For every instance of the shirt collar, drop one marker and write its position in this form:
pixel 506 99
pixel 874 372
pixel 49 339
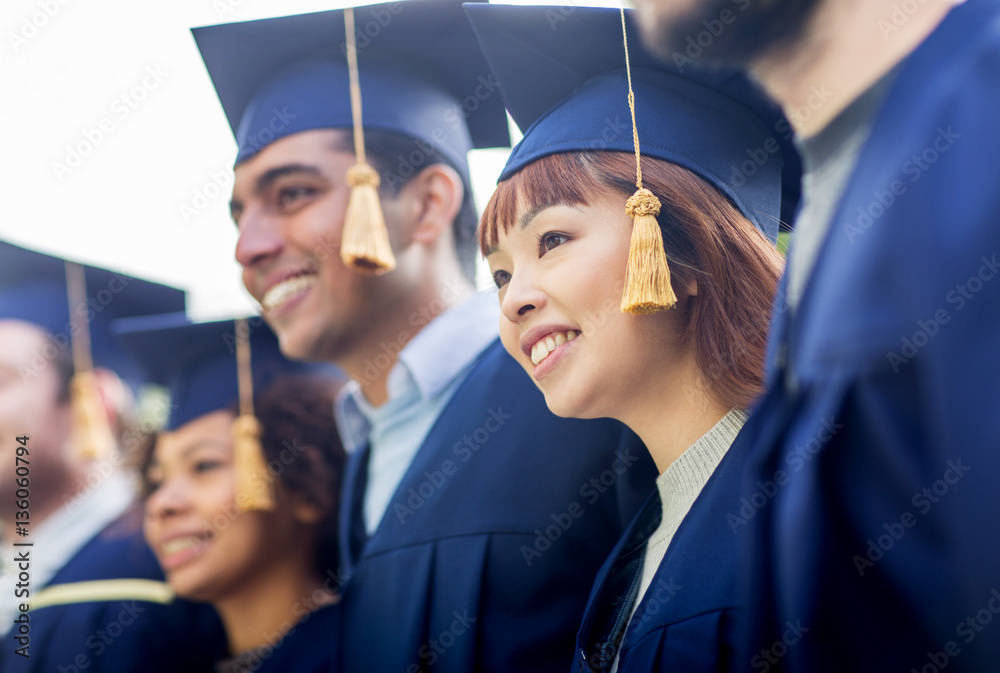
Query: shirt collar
pixel 427 365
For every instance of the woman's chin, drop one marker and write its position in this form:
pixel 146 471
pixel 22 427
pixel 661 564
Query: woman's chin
pixel 184 585
pixel 569 406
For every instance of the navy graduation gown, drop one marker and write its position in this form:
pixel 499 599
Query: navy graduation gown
pixel 689 618
pixel 487 551
pixel 120 635
pixel 307 648
pixel 883 407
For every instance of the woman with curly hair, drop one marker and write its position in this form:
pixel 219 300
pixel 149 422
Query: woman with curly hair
pixel 245 524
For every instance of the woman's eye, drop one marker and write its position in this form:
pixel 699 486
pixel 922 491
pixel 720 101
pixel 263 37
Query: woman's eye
pixel 205 465
pixel 501 278
pixel 550 240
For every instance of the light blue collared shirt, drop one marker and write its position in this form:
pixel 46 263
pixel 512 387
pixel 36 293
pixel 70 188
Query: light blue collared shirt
pixel 429 370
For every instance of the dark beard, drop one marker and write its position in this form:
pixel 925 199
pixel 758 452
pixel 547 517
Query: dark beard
pixel 727 32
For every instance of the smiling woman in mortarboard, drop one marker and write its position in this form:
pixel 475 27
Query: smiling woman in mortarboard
pixel 660 322
pixel 242 488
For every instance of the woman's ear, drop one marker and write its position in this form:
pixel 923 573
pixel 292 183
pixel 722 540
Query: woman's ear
pixel 685 284
pixel 691 287
pixel 307 513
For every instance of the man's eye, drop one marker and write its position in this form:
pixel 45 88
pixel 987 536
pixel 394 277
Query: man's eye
pixel 550 240
pixel 501 278
pixel 290 195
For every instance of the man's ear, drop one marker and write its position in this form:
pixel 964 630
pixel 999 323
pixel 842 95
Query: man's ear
pixel 440 192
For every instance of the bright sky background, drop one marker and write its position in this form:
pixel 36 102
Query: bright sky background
pixel 151 198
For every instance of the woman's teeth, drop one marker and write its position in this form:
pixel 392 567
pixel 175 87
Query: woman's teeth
pixel 541 350
pixel 280 293
pixel 180 544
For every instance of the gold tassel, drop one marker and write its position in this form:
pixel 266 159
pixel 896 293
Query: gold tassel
pixel 253 491
pixel 253 484
pixel 92 436
pixel 364 244
pixel 647 276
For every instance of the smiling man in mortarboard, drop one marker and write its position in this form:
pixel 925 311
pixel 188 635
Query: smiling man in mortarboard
pixel 474 519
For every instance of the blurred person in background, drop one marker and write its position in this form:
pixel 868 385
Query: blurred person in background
pixel 250 529
pixel 89 593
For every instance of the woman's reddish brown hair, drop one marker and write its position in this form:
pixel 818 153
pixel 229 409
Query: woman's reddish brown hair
pixel 707 239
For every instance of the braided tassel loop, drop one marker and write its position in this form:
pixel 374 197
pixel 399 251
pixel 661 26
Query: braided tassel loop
pixel 91 433
pixel 253 489
pixel 365 241
pixel 647 275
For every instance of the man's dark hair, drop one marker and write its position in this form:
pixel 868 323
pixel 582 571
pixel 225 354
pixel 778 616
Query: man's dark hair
pixel 398 159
